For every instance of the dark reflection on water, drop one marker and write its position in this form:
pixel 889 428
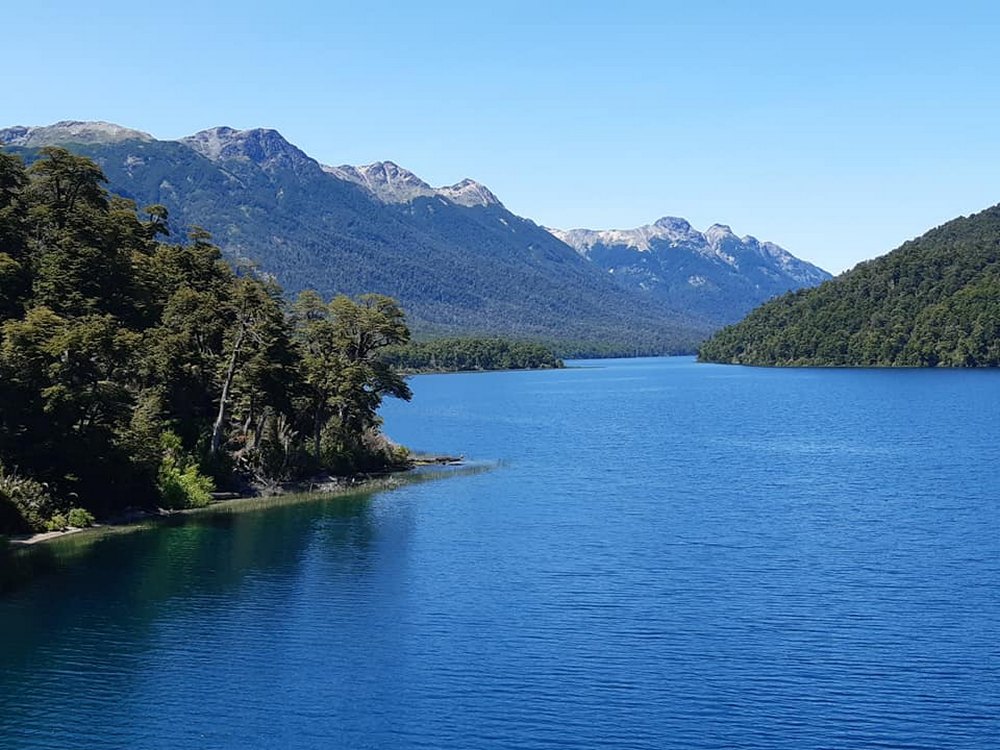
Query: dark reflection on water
pixel 670 555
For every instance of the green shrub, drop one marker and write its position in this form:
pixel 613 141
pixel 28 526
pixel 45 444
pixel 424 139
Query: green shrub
pixel 25 504
pixel 186 488
pixel 58 522
pixel 180 482
pixel 382 453
pixel 80 518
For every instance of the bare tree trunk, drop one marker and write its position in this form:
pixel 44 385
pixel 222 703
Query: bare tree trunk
pixel 317 429
pixel 220 419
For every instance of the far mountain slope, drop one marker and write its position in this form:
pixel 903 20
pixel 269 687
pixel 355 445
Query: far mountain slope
pixel 455 257
pixel 934 301
pixel 713 274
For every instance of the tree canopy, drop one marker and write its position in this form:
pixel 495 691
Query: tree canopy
pixel 933 302
pixel 469 353
pixel 135 371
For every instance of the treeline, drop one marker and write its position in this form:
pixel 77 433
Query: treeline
pixel 588 349
pixel 459 354
pixel 933 302
pixel 137 372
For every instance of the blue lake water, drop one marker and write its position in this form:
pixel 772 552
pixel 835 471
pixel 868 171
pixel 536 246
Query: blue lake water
pixel 667 555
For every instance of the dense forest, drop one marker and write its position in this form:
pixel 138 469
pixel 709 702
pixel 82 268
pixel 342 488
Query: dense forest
pixel 933 302
pixel 138 372
pixel 459 354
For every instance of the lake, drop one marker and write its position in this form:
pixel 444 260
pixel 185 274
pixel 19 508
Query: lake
pixel 664 554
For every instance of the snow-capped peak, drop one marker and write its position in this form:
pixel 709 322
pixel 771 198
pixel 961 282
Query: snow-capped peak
pixel 669 230
pixel 673 224
pixel 211 142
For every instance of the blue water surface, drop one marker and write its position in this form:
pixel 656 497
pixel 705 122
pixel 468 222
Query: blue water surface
pixel 667 555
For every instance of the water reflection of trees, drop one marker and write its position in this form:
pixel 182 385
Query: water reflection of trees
pixel 137 574
pixel 93 614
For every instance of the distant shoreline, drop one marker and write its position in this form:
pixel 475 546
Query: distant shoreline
pixel 442 371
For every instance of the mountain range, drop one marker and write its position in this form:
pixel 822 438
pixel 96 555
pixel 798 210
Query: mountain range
pixel 457 260
pixel 714 274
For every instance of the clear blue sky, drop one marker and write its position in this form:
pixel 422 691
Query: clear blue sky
pixel 837 129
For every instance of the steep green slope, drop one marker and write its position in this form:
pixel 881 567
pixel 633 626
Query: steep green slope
pixel 935 301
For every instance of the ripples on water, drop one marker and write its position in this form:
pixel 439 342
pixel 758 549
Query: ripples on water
pixel 671 555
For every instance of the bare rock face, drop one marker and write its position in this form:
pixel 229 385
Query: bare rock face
pixel 263 147
pixel 714 273
pixel 385 180
pixel 391 183
pixel 70 131
pixel 469 193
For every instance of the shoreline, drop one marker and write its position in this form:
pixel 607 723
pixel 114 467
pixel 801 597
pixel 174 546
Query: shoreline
pixel 290 492
pixel 438 371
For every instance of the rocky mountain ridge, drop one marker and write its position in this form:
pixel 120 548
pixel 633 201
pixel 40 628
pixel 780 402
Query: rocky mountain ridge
pixel 391 183
pixel 457 259
pixel 69 131
pixel 720 274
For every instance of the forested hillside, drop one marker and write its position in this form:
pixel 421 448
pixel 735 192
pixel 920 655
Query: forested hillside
pixel 136 371
pixel 935 301
pixel 457 267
